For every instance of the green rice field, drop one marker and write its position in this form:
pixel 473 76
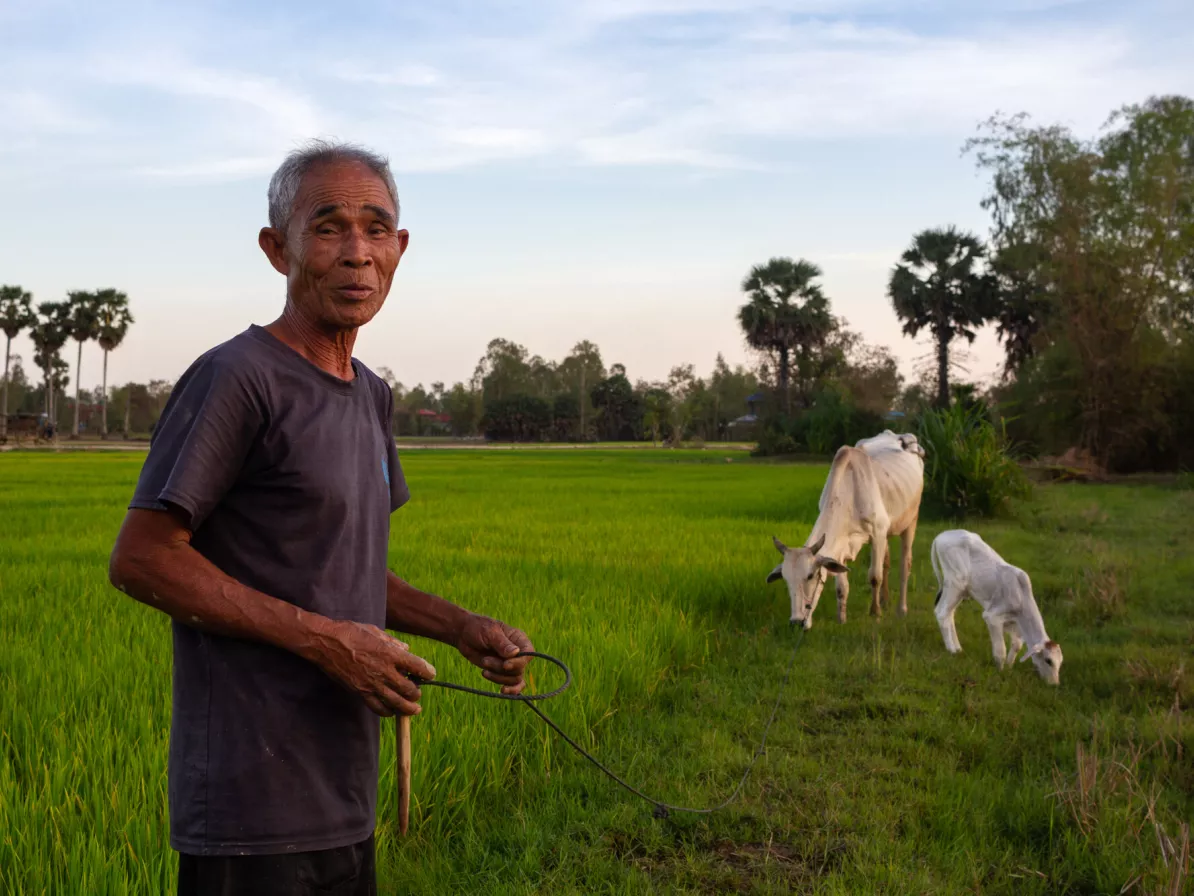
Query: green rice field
pixel 893 767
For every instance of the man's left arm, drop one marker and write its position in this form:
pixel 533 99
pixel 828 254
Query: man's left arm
pixel 484 642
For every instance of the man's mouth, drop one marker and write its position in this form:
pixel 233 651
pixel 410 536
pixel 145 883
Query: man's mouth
pixel 355 291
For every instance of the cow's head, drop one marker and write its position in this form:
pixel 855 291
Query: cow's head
pixel 1046 656
pixel 805 572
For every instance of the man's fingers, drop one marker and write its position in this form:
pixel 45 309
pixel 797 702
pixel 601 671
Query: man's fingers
pixel 403 686
pixel 500 678
pixel 398 705
pixel 414 665
pixel 522 645
pixel 377 706
pixel 514 689
pixel 520 638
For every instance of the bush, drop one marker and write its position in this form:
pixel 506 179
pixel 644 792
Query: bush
pixel 969 469
pixel 773 442
pixel 833 420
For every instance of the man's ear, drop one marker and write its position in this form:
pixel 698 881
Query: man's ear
pixel 273 244
pixel 775 574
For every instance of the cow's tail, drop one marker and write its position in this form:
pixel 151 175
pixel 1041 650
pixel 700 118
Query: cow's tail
pixel 937 572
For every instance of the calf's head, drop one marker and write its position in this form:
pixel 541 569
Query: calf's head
pixel 805 572
pixel 1046 656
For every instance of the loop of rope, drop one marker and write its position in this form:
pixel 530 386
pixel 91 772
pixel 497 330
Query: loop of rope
pixel 662 809
pixel 493 695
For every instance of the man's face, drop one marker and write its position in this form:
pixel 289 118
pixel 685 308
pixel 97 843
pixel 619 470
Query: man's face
pixel 341 247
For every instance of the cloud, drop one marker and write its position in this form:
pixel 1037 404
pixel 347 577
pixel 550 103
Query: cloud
pixel 216 169
pixel 706 85
pixel 279 106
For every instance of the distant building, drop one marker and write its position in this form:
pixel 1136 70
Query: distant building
pixel 746 426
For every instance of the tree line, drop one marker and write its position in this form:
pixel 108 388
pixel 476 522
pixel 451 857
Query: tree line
pixel 1087 275
pixel 102 316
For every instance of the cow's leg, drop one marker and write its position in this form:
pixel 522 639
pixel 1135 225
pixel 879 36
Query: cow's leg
pixel 998 647
pixel 947 602
pixel 906 538
pixel 884 593
pixel 843 592
pixel 1016 642
pixel 878 556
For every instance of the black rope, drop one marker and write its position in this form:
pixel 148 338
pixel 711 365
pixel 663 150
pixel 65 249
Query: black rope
pixel 662 809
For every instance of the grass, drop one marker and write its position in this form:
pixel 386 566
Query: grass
pixel 893 767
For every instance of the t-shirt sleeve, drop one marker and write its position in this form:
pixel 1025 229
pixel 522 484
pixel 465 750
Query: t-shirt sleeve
pixel 200 444
pixel 399 491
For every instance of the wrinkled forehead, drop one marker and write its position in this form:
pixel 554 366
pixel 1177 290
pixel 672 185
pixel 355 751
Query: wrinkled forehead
pixel 344 183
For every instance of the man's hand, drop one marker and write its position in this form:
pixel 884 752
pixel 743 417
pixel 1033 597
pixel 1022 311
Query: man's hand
pixel 374 665
pixel 490 644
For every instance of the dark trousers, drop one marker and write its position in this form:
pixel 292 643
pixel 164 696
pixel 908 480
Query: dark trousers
pixel 346 871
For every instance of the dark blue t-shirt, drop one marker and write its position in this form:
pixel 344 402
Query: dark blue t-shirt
pixel 288 476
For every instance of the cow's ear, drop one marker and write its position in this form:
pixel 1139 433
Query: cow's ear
pixel 832 565
pixel 775 574
pixel 779 545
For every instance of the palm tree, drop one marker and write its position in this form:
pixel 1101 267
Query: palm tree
pixel 16 314
pixel 786 313
pixel 49 335
pixel 114 319
pixel 937 287
pixel 84 325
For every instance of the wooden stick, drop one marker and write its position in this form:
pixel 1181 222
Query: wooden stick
pixel 402 750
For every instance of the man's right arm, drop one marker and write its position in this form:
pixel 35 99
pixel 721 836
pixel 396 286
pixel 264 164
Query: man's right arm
pixel 153 562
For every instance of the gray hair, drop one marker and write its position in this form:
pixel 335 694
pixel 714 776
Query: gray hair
pixel 284 185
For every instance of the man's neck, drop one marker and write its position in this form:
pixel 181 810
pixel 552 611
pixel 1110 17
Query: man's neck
pixel 329 350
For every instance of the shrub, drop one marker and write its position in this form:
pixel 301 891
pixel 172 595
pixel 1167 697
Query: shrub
pixel 835 420
pixel 969 468
pixel 773 442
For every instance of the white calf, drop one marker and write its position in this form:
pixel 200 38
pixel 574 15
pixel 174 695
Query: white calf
pixel 966 566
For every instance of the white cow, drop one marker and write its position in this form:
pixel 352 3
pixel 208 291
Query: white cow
pixel 966 566
pixel 872 492
pixel 890 441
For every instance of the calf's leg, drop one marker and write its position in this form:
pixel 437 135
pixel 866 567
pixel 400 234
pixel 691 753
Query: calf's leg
pixel 998 647
pixel 947 603
pixel 1015 643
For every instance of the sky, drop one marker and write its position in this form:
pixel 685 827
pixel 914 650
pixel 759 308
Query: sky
pixel 581 169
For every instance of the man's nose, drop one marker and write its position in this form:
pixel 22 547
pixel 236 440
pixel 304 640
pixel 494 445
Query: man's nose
pixel 354 252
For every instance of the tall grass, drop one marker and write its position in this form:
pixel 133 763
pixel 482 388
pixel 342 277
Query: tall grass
pixel 893 767
pixel 969 468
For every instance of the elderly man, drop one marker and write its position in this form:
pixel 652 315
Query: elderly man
pixel 260 525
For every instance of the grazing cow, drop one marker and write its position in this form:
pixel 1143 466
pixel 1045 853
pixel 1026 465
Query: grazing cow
pixel 966 566
pixel 890 441
pixel 871 493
